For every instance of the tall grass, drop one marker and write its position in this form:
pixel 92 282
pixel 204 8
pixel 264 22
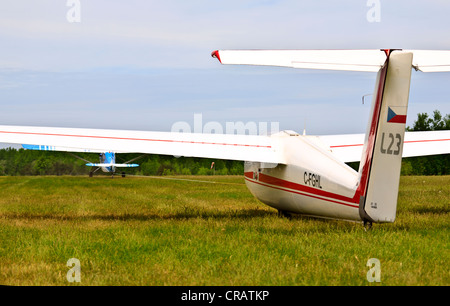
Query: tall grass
pixel 209 231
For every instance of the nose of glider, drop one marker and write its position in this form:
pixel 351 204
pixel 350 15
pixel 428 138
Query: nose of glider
pixel 215 54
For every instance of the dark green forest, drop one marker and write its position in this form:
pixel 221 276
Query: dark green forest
pixel 428 165
pixel 28 162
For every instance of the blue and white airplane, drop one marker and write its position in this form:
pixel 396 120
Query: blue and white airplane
pixel 107 159
pixel 108 164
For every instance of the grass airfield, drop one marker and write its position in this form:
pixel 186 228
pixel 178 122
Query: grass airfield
pixel 204 230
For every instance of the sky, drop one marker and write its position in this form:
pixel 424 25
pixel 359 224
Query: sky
pixel 145 65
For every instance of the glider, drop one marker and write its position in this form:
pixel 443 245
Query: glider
pixel 288 171
pixel 107 159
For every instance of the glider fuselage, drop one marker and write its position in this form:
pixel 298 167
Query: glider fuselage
pixel 313 182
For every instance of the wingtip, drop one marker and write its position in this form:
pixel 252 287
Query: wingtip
pixel 215 54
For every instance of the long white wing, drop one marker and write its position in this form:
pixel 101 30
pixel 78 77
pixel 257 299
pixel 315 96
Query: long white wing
pixel 431 60
pixel 62 149
pixel 350 60
pixel 220 146
pixel 348 148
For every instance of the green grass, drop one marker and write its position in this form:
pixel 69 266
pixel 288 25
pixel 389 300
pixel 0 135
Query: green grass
pixel 148 231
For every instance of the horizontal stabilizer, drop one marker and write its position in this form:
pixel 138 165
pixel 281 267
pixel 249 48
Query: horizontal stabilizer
pixel 349 60
pixel 431 60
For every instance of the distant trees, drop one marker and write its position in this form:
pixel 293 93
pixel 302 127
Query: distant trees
pixel 169 165
pixel 425 123
pixel 433 164
pixel 24 162
pixel 28 162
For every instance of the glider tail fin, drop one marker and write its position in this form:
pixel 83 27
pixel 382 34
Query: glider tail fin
pixel 382 154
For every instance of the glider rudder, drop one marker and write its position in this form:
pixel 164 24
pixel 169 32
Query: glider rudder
pixel 382 154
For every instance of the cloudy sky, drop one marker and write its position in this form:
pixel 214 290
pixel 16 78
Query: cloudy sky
pixel 145 65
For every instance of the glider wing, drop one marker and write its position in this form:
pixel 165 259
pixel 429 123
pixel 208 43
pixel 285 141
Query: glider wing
pixel 222 146
pixel 348 148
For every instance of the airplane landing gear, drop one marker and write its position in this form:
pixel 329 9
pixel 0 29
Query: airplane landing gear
pixel 284 214
pixel 367 225
pixel 91 173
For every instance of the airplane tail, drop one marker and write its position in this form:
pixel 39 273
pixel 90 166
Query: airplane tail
pixel 382 153
pixel 379 172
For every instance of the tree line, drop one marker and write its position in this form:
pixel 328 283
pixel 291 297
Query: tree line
pixel 28 162
pixel 433 164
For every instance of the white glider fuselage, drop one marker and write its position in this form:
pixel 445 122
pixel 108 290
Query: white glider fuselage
pixel 312 182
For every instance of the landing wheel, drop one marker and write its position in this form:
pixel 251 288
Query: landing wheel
pixel 123 174
pixel 367 225
pixel 284 214
pixel 91 173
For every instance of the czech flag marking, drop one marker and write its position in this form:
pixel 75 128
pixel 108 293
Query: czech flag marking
pixel 394 118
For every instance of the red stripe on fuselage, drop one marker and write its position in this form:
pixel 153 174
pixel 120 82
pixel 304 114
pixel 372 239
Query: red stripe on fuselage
pixel 248 174
pixel 288 186
pixel 291 185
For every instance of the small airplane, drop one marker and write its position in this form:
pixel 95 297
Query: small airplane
pixel 296 173
pixel 108 164
pixel 107 159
